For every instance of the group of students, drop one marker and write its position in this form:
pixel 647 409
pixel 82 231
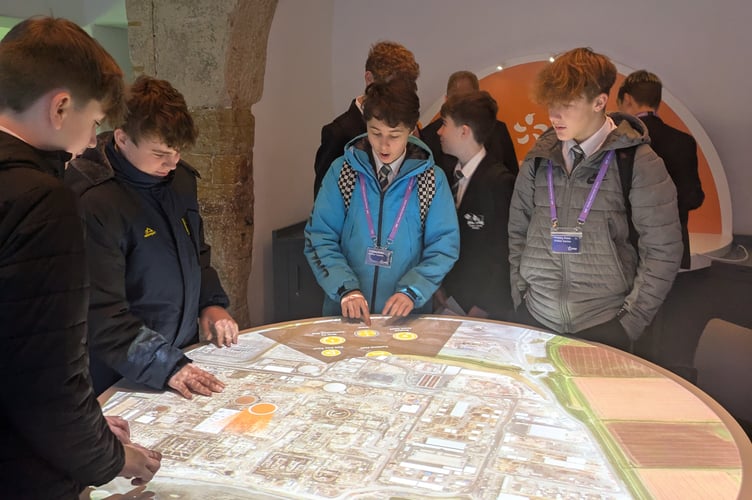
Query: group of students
pixel 585 238
pixel 104 270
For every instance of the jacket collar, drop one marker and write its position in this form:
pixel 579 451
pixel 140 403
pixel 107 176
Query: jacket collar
pixel 129 174
pixel 630 131
pixel 418 157
pixel 14 153
pixel 104 162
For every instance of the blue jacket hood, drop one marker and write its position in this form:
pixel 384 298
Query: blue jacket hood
pixel 418 157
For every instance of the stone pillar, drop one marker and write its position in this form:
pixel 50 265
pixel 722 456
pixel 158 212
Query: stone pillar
pixel 214 52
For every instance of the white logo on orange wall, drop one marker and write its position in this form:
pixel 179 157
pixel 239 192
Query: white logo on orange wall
pixel 523 129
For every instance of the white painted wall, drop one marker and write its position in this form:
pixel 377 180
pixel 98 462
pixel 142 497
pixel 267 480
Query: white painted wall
pixel 296 101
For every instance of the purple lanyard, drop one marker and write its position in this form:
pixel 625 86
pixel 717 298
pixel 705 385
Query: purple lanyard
pixel 393 233
pixel 591 197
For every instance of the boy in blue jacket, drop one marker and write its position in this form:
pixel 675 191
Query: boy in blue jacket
pixel 383 232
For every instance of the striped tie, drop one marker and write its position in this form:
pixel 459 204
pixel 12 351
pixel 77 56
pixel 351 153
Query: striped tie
pixel 458 176
pixel 578 154
pixel 384 172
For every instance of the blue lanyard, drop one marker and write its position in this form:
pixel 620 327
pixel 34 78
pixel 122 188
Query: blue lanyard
pixel 591 197
pixel 393 233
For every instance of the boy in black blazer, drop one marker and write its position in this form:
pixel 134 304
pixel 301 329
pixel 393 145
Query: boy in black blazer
pixel 640 95
pixel 482 187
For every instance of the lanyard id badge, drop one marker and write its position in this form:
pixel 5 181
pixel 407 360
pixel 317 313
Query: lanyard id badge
pixel 569 239
pixel 381 257
pixel 377 255
pixel 566 240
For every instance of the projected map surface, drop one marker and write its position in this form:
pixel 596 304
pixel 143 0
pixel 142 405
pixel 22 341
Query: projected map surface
pixel 426 408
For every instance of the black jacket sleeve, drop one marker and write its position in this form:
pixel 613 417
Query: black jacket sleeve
pixel 687 179
pixel 332 147
pixel 116 336
pixel 49 417
pixel 500 146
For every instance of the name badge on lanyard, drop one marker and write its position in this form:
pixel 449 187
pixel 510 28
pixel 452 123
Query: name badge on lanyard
pixel 381 257
pixel 376 255
pixel 566 239
pixel 569 239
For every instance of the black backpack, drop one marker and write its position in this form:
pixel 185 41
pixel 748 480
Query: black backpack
pixel 625 163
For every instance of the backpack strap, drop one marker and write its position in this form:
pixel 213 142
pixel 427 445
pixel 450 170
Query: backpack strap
pixel 426 192
pixel 426 188
pixel 536 164
pixel 346 183
pixel 625 162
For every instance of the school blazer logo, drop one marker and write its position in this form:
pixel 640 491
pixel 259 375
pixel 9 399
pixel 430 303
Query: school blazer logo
pixel 149 232
pixel 474 221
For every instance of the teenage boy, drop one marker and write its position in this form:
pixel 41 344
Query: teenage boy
pixel 640 95
pixel 56 85
pixel 151 275
pixel 573 268
pixel 482 188
pixel 386 60
pixel 498 143
pixel 383 232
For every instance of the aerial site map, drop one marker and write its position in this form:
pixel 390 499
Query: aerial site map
pixel 430 407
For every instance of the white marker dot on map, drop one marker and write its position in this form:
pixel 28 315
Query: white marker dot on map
pixel 337 387
pixel 308 369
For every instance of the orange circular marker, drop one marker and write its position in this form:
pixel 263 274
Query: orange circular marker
pixel 246 400
pixel 330 353
pixel 405 336
pixel 332 340
pixel 252 419
pixel 366 333
pixel 375 354
pixel 263 409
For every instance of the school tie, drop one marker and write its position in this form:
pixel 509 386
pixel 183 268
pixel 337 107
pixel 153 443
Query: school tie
pixel 458 175
pixel 578 154
pixel 384 172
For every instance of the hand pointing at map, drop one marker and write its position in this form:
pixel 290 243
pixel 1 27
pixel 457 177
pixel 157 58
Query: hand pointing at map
pixel 354 305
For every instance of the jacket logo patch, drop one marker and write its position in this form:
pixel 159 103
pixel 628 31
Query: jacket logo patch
pixel 591 179
pixel 475 221
pixel 149 232
pixel 185 225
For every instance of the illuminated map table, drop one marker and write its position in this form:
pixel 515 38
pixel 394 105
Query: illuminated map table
pixel 433 407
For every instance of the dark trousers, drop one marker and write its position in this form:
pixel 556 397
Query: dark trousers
pixel 610 333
